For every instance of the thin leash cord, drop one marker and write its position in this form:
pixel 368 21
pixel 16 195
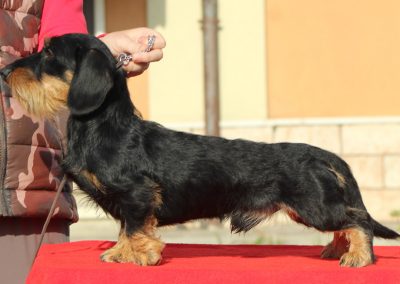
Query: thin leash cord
pixel 46 224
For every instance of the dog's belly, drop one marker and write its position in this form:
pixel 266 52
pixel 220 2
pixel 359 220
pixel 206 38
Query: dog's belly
pixel 229 202
pixel 180 213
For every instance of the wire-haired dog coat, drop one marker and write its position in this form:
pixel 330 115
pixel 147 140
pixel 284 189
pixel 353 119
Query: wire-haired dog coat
pixel 146 175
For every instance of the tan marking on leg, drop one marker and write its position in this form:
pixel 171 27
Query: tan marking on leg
pixel 44 98
pixel 142 247
pixel 156 189
pixel 360 250
pixel 149 227
pixel 94 180
pixel 336 248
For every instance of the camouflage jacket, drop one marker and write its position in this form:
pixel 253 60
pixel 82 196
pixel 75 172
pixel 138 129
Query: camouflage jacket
pixel 30 148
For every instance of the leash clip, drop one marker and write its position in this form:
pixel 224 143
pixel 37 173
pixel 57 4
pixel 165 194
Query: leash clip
pixel 123 59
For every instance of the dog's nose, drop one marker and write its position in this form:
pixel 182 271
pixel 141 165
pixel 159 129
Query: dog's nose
pixel 4 72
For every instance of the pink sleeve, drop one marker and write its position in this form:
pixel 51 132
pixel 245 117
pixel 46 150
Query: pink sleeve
pixel 61 17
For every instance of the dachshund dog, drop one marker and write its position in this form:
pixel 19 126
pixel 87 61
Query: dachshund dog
pixel 145 175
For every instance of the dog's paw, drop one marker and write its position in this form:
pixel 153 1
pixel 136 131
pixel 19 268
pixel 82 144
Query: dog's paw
pixel 144 256
pixel 356 259
pixel 333 252
pixel 329 252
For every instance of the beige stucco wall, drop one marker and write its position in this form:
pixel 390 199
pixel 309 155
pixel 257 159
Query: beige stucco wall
pixel 176 84
pixel 333 58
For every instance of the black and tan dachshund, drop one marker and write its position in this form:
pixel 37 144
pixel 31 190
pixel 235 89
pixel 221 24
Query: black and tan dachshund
pixel 145 175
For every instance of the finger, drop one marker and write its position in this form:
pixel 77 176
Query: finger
pixel 134 69
pixel 159 42
pixel 147 57
pixel 150 42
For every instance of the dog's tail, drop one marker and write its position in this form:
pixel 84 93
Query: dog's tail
pixel 383 232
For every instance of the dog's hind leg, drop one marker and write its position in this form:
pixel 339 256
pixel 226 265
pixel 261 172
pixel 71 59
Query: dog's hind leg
pixel 338 247
pixel 353 244
pixel 360 236
pixel 353 236
pixel 360 248
pixel 331 202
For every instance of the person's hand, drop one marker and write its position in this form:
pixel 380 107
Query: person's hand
pixel 8 55
pixel 134 42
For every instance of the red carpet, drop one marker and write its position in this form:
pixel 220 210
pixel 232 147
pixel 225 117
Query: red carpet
pixel 206 264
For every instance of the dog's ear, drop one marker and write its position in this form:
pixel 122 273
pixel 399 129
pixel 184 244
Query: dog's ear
pixel 92 80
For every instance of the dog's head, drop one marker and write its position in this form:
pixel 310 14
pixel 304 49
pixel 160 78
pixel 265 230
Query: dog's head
pixel 75 71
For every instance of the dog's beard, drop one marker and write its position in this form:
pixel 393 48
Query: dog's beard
pixel 43 98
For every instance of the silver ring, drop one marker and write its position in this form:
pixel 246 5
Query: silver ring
pixel 150 42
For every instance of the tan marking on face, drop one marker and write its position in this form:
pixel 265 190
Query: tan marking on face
pixel 142 247
pixel 44 98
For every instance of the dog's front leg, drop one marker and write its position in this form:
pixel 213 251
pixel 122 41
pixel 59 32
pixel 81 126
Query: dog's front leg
pixel 134 208
pixel 137 242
